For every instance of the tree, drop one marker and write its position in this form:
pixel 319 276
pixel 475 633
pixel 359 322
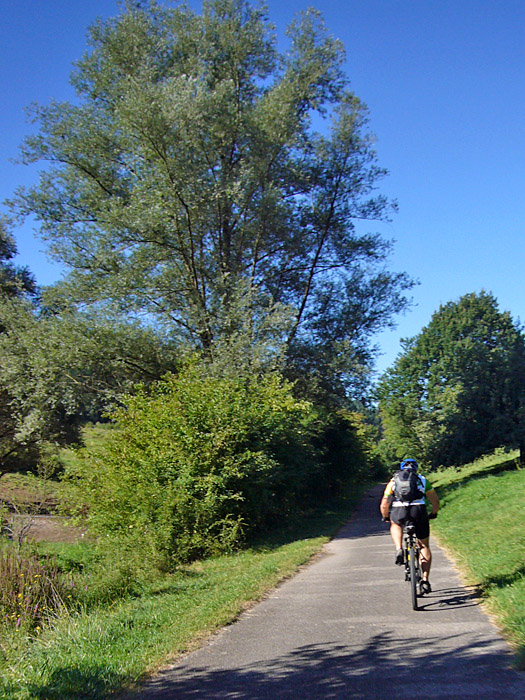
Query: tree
pixel 187 182
pixel 14 281
pixel 16 284
pixel 457 390
pixel 61 368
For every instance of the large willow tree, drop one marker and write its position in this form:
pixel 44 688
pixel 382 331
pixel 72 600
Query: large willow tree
pixel 187 182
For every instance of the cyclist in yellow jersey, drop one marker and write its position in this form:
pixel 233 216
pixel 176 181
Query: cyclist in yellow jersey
pixel 399 511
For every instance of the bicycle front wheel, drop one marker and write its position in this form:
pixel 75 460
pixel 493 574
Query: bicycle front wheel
pixel 413 577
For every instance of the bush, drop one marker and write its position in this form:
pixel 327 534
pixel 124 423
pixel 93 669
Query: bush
pixel 197 463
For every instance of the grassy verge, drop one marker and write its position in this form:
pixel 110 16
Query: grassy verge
pixel 482 524
pixel 96 653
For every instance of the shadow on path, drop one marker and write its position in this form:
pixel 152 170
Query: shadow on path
pixel 445 598
pixel 373 672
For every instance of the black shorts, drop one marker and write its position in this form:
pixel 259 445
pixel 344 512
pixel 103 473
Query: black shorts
pixel 416 514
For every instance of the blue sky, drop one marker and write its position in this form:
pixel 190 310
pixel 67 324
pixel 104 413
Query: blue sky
pixel 445 84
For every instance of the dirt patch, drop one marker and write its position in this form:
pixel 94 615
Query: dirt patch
pixel 32 505
pixel 48 528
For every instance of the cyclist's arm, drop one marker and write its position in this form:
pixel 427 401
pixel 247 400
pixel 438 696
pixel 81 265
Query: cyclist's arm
pixel 385 506
pixel 386 500
pixel 434 500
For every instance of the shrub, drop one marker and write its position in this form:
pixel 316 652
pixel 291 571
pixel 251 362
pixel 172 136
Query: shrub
pixel 197 463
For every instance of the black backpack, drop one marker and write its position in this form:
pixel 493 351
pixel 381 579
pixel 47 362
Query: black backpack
pixel 407 486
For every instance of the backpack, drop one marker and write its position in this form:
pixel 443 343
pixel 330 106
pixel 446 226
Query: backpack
pixel 407 486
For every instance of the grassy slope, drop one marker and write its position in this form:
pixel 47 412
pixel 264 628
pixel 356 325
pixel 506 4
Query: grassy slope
pixel 482 523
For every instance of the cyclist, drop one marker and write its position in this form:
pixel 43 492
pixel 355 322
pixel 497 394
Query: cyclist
pixel 398 512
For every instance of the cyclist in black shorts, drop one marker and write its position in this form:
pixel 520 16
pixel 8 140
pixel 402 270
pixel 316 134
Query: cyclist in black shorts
pixel 398 512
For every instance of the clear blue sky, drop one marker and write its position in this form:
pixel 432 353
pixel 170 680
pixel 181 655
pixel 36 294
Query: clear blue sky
pixel 445 84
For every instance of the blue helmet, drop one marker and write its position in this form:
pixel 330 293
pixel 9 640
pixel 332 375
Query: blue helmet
pixel 408 464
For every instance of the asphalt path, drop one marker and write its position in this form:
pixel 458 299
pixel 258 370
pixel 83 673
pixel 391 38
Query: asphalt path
pixel 344 627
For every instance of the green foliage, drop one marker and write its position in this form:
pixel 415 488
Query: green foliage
pixel 187 182
pixel 366 449
pixel 457 391
pixel 348 452
pixel 62 368
pixel 197 463
pixel 15 282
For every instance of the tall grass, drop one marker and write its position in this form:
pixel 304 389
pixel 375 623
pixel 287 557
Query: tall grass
pixel 482 522
pixel 32 589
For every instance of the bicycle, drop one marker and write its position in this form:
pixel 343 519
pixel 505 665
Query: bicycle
pixel 411 559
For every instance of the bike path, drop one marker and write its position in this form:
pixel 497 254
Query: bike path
pixel 343 628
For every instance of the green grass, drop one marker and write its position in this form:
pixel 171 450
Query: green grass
pixel 93 435
pixel 95 653
pixel 482 523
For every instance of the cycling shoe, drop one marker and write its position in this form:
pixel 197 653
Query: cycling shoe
pixel 425 587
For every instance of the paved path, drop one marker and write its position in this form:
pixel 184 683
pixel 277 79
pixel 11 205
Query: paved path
pixel 344 628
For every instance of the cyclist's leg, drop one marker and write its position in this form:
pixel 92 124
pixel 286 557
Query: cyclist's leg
pixel 396 531
pixel 397 518
pixel 425 557
pixel 419 514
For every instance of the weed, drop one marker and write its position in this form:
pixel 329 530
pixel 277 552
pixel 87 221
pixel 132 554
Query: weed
pixel 32 590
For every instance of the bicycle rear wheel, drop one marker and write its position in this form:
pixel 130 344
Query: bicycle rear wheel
pixel 413 576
